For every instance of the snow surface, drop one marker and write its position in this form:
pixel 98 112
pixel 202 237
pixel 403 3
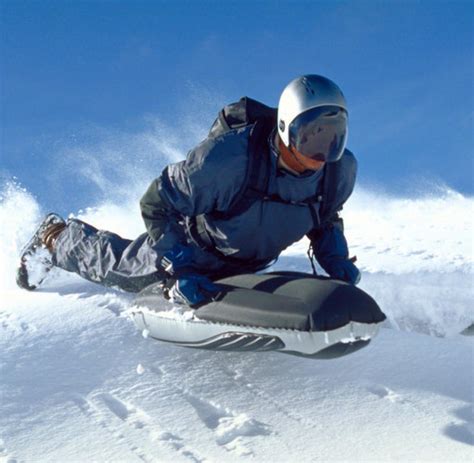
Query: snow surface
pixel 78 382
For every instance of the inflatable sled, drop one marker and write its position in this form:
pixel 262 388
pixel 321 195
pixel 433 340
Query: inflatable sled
pixel 290 312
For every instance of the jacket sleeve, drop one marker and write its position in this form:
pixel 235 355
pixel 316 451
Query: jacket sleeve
pixel 156 212
pixel 207 180
pixel 329 242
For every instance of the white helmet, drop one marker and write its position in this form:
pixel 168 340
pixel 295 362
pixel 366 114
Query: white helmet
pixel 312 118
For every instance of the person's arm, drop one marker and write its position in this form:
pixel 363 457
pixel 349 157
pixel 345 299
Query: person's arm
pixel 331 251
pixel 180 190
pixel 206 181
pixel 156 212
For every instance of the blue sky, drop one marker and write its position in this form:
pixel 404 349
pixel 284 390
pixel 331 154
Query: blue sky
pixel 406 68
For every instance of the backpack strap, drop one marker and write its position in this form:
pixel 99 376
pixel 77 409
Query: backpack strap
pixel 338 184
pixel 328 190
pixel 255 185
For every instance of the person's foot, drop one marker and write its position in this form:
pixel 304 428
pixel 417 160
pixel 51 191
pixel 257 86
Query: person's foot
pixel 35 259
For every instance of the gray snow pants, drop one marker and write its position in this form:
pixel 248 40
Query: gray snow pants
pixel 110 260
pixel 106 258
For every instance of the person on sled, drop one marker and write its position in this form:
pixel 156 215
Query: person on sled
pixel 261 180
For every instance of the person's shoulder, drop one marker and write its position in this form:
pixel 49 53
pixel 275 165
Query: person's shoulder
pixel 233 135
pixel 348 160
pixel 348 154
pixel 214 155
pixel 232 144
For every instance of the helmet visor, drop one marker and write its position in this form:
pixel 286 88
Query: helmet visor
pixel 320 133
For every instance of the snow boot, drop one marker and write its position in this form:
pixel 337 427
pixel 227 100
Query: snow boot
pixel 35 260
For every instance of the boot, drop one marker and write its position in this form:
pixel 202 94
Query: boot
pixel 36 256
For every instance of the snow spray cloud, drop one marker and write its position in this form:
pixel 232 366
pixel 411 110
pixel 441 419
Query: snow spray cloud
pixel 432 232
pixel 19 214
pixel 119 165
pixel 428 232
pixel 94 165
pixel 417 256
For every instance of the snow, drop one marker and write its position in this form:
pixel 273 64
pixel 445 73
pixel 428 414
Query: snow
pixel 78 381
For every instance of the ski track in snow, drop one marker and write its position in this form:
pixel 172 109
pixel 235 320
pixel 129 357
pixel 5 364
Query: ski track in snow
pixel 399 398
pixel 13 326
pixel 229 427
pixel 277 408
pixel 461 430
pixel 132 426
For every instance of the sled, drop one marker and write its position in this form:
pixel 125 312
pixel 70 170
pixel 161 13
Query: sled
pixel 289 312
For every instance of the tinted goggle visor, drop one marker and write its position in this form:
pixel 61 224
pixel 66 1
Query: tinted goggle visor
pixel 320 133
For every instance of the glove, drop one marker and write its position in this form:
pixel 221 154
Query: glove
pixel 342 269
pixel 191 289
pixel 177 259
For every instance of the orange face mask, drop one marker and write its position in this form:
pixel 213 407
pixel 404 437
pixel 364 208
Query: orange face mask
pixel 295 160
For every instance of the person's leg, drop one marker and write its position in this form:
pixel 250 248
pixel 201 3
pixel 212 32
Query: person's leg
pixel 106 258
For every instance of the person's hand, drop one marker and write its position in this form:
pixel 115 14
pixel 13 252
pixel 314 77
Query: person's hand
pixel 191 289
pixel 177 259
pixel 342 269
